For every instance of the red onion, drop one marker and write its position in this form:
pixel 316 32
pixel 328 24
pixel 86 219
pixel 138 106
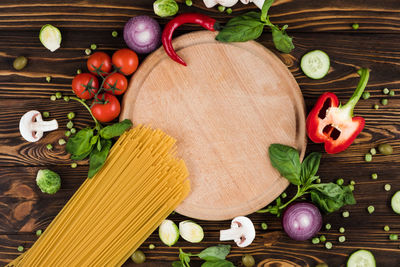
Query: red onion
pixel 302 221
pixel 142 34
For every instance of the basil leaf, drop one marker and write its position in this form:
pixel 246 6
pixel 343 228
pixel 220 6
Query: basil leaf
pixel 116 129
pixel 331 197
pixel 220 263
pixel 286 160
pixel 242 28
pixel 281 40
pixel 98 158
pixel 265 8
pixel 94 139
pixel 310 166
pixel 177 264
pixel 82 156
pixel 215 253
pixel 79 144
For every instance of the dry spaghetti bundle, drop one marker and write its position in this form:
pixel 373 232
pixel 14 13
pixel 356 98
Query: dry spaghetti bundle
pixel 112 214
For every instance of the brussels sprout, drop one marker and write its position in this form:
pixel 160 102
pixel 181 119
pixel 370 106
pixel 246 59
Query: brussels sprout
pixel 48 181
pixel 165 8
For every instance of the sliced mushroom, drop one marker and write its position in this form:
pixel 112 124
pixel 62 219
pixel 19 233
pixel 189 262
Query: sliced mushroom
pixel 258 3
pixel 242 232
pixel 225 3
pixel 32 126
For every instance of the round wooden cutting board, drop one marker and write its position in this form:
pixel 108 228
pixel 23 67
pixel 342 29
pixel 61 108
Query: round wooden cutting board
pixel 225 108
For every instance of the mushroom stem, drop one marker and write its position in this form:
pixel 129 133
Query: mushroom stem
pixel 230 234
pixel 45 126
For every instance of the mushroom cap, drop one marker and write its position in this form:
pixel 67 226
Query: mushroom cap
pixel 32 126
pixel 249 232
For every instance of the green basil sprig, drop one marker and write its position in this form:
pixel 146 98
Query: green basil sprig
pixel 214 257
pixel 329 197
pixel 250 26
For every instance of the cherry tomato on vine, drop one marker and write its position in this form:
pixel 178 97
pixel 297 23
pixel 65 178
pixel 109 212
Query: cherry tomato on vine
pixel 99 62
pixel 85 85
pixel 108 110
pixel 116 84
pixel 125 59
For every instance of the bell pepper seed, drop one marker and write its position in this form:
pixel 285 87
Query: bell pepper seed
pixel 345 214
pixel 374 176
pixel 315 240
pixel 385 91
pixel 74 165
pixel 371 209
pixel 366 95
pixel 387 187
pixel 384 101
pixel 328 245
pixel 342 230
pixel 386 228
pixel 368 157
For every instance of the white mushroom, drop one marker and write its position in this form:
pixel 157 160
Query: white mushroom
pixel 258 3
pixel 225 3
pixel 32 126
pixel 242 232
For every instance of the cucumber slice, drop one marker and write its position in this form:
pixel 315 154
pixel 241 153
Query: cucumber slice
pixel 361 258
pixel 191 231
pixel 396 202
pixel 50 37
pixel 168 232
pixel 315 64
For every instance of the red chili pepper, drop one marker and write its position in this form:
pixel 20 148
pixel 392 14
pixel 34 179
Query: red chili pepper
pixel 203 20
pixel 334 124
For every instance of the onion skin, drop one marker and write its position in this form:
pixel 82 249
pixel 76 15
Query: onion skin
pixel 301 221
pixel 142 34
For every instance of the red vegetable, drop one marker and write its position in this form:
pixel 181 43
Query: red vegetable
pixel 85 85
pixel 301 221
pixel 335 125
pixel 126 60
pixel 108 110
pixel 99 62
pixel 116 84
pixel 203 20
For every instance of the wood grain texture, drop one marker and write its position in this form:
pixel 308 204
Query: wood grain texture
pixel 23 209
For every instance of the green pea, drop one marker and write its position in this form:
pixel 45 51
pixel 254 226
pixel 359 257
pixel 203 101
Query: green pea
pixel 58 95
pixel 264 226
pixel 384 101
pixel 248 260
pixel 71 115
pixel 78 71
pixel 67 133
pixel 88 51
pixel 342 238
pixel 20 63
pixel 46 114
pixel 342 230
pixel 328 245
pixel 328 226
pixel 371 209
pixel 229 11
pixel 48 79
pixel 38 232
pixel 61 142
pixel 70 124
pixel 66 98
pixel 340 181
pixel 114 34
pixel 385 91
pixel 352 182
pixel 315 240
pixel 351 187
pixel 189 2
pixel 93 46
pixel 53 98
pixel 393 237
pixel 138 257
pixel 49 146
pixel 374 176
pixel 318 181
pixel 368 157
pixel 355 26
pixel 385 149
pixel 73 130
pixel 387 187
pixel 152 246
pixel 322 238
pixel 20 248
pixel 376 106
pixel 345 214
pixel 391 93
pixel 74 165
pixel 372 151
pixel 386 228
pixel 221 8
pixel 366 95
pixel 284 195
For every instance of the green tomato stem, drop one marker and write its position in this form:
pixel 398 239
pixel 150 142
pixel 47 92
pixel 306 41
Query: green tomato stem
pixel 301 191
pixel 98 125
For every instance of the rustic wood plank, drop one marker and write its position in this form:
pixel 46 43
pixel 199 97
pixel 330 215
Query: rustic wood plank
pixel 301 15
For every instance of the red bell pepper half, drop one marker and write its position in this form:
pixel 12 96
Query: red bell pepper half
pixel 334 124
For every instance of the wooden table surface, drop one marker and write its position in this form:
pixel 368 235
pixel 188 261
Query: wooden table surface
pixel 314 24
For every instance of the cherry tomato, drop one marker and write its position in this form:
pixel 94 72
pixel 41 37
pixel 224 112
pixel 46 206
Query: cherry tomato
pixel 116 84
pixel 101 62
pixel 125 59
pixel 83 88
pixel 106 112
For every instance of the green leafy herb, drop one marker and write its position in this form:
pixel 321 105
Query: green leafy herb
pixel 220 263
pixel 116 129
pixel 328 197
pixel 177 264
pixel 79 144
pixel 98 158
pixel 214 256
pixel 250 26
pixel 215 253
